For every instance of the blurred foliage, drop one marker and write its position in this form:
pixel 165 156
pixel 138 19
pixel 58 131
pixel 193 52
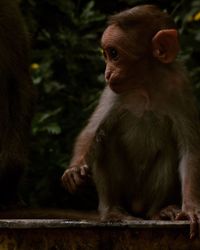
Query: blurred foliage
pixel 67 71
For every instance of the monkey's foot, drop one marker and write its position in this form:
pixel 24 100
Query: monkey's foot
pixel 167 213
pixel 116 215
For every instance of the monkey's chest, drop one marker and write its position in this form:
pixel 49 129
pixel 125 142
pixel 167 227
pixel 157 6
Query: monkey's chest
pixel 147 137
pixel 139 156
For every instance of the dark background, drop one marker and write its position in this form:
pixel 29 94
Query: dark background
pixel 67 71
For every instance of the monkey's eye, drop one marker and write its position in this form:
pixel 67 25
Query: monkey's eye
pixel 113 53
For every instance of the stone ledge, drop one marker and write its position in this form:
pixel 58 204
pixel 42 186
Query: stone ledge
pixel 65 223
pixel 82 231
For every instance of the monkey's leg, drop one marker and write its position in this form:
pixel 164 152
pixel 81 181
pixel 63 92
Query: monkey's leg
pixel 109 192
pixel 110 212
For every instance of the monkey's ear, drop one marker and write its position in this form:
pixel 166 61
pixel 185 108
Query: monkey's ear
pixel 165 45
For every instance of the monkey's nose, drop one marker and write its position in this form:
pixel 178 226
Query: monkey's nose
pixel 107 75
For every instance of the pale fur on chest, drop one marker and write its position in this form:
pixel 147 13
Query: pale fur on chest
pixel 145 127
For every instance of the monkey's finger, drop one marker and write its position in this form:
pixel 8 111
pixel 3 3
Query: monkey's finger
pixel 69 183
pixel 64 180
pixel 193 225
pixel 83 170
pixel 77 178
pixel 71 187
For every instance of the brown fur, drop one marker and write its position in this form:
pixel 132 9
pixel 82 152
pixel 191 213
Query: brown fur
pixel 16 101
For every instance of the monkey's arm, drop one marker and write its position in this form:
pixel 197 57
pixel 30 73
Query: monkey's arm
pixel 189 167
pixel 78 171
pixel 190 176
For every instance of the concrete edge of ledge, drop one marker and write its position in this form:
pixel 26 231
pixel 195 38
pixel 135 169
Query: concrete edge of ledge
pixel 62 223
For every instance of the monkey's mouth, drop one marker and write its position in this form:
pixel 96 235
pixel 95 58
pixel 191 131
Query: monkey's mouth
pixel 117 87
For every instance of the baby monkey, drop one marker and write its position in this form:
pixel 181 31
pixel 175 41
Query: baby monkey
pixel 142 143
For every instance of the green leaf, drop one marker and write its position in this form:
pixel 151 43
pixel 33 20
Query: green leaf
pixel 52 128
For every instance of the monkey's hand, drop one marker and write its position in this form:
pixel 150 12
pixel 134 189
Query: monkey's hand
pixel 74 177
pixel 191 213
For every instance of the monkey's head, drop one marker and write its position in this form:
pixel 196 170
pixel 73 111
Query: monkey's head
pixel 135 41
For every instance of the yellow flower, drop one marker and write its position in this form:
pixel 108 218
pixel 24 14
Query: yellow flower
pixel 197 16
pixel 35 66
pixel 101 50
pixel 194 18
